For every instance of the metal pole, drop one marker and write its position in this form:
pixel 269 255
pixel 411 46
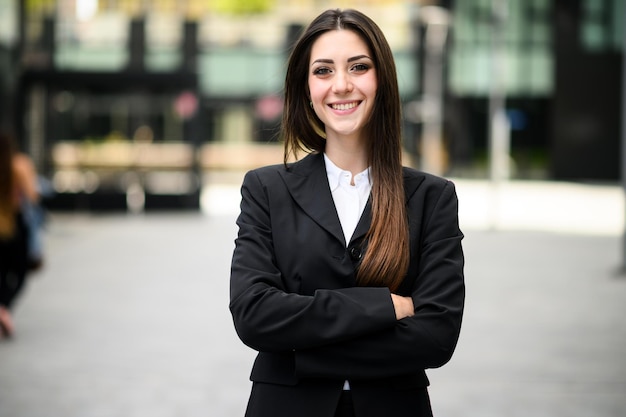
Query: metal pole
pixel 498 124
pixel 499 136
pixel 623 162
pixel 437 21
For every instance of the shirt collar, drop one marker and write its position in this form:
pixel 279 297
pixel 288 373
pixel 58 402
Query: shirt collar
pixel 335 174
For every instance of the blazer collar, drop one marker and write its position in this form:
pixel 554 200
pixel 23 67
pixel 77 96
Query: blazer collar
pixel 412 180
pixel 307 183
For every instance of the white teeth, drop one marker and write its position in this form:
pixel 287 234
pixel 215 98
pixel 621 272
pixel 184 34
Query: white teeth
pixel 345 106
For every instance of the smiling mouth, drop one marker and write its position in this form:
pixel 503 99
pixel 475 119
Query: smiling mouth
pixel 344 106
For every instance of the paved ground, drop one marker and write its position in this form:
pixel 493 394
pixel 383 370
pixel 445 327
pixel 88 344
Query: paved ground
pixel 129 317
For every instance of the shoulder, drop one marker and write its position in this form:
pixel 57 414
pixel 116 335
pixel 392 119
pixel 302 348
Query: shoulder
pixel 271 173
pixel 266 176
pixel 24 168
pixel 266 171
pixel 428 192
pixel 415 179
pixel 22 163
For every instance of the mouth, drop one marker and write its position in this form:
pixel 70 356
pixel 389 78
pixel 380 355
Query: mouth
pixel 345 106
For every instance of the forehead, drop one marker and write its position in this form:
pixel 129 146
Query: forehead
pixel 337 44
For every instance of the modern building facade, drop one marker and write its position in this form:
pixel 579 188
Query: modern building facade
pixel 126 94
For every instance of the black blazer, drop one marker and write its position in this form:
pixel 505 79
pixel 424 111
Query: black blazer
pixel 294 299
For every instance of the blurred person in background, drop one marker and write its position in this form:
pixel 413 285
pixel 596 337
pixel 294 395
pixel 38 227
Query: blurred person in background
pixel 18 189
pixel 347 274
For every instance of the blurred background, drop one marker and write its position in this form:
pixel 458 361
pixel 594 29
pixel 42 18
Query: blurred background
pixel 142 115
pixel 131 103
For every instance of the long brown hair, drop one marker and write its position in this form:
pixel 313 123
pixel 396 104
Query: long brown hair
pixel 7 201
pixel 387 257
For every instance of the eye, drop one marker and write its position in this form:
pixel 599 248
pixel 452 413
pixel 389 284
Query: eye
pixel 321 71
pixel 360 67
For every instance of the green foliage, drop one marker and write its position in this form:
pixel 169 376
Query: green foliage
pixel 242 7
pixel 39 6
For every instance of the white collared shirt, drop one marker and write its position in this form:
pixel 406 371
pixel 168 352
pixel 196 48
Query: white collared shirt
pixel 350 200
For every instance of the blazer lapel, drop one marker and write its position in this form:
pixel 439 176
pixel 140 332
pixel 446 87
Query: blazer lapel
pixel 307 183
pixel 411 183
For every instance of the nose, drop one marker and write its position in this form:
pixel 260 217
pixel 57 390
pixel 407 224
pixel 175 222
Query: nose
pixel 342 83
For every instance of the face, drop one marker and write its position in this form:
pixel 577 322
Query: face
pixel 342 83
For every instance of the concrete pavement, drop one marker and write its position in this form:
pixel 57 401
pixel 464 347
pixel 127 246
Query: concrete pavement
pixel 130 318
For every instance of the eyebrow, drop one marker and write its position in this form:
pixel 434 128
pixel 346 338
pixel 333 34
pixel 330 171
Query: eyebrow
pixel 330 61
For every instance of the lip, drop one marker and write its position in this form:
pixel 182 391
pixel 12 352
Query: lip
pixel 345 106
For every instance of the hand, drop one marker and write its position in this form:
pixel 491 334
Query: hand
pixel 403 306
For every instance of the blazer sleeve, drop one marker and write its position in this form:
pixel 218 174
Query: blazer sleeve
pixel 425 340
pixel 269 318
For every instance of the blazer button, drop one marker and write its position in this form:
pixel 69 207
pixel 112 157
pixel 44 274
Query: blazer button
pixel 355 253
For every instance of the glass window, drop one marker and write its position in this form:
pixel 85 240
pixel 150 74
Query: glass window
pixel 602 25
pixel 527 44
pixel 8 22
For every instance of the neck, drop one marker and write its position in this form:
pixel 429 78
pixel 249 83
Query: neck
pixel 348 155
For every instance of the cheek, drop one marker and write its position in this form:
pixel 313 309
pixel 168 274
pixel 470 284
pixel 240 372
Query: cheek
pixel 372 93
pixel 315 91
pixel 372 84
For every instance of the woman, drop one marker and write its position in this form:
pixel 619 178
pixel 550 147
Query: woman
pixel 18 184
pixel 347 273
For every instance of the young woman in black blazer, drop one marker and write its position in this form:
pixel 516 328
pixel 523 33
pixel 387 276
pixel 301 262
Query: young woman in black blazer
pixel 347 273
